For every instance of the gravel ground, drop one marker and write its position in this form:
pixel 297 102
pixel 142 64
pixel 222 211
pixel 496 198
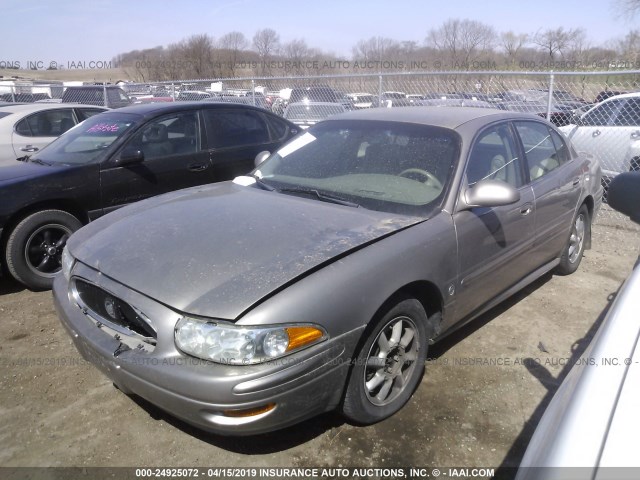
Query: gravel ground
pixel 480 399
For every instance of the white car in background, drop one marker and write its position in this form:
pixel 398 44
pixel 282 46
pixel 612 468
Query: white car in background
pixel 26 128
pixel 590 428
pixel 610 131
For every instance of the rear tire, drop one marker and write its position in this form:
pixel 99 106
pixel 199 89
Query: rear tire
pixel 389 364
pixel 574 250
pixel 34 247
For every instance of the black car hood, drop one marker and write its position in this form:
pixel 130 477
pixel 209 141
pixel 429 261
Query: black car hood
pixel 216 250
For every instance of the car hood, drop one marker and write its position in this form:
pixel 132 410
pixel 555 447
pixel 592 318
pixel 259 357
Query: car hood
pixel 217 250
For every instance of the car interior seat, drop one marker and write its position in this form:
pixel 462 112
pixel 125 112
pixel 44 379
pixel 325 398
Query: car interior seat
pixel 156 141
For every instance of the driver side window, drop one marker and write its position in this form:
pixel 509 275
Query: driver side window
pixel 494 156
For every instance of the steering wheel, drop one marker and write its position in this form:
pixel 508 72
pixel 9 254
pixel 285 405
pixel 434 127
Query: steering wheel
pixel 431 179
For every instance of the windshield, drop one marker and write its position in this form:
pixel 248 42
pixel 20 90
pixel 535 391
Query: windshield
pixel 312 112
pixel 88 141
pixel 385 166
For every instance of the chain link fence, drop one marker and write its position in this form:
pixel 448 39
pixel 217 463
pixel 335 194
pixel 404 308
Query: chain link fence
pixel 598 111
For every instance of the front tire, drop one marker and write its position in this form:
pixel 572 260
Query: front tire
pixel 389 364
pixel 574 250
pixel 34 247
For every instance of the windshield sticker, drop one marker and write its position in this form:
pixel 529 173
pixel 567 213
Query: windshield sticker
pixel 104 127
pixel 296 144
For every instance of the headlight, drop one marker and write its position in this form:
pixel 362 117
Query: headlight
pixel 67 263
pixel 242 345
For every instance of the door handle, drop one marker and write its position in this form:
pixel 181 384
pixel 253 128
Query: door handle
pixel 525 209
pixel 29 148
pixel 197 167
pixel 595 133
pixel 576 182
pixel 635 135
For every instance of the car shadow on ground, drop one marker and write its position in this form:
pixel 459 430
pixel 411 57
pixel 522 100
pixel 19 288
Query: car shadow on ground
pixel 262 444
pixel 8 285
pixel 442 346
pixel 514 456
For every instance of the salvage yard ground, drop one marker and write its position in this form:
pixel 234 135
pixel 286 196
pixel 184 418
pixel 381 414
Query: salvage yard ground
pixel 484 391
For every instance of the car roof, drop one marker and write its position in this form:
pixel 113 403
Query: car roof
pixel 448 117
pixel 74 87
pixel 317 104
pixel 37 107
pixel 160 107
pixel 623 95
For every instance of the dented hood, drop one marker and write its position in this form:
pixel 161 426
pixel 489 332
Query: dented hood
pixel 217 250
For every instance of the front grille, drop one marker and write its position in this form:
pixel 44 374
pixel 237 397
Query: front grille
pixel 112 309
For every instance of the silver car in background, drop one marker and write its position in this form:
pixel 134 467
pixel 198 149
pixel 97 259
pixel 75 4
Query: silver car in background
pixel 26 128
pixel 305 114
pixel 589 429
pixel 318 281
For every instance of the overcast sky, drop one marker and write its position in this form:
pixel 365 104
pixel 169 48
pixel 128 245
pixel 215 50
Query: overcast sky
pixel 64 30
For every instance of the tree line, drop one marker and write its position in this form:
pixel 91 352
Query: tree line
pixel 457 44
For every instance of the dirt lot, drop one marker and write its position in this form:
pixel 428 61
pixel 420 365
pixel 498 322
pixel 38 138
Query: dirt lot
pixel 477 406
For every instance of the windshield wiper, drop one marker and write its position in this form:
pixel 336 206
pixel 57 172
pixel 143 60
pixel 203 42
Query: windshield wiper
pixel 320 196
pixel 261 183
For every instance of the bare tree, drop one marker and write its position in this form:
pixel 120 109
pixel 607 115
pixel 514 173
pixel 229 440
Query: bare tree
pixel 628 48
pixel 296 51
pixel 198 54
pixel 557 41
pixel 232 45
pixel 627 7
pixel 512 44
pixel 462 41
pixel 267 43
pixel 374 49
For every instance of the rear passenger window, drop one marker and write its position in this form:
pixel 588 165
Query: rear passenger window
pixel 235 128
pixel 279 127
pixel 561 147
pixel 539 149
pixel 50 123
pixel 629 114
pixel 84 113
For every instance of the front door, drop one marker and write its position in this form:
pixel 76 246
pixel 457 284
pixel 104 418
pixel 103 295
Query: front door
pixel 173 159
pixel 493 243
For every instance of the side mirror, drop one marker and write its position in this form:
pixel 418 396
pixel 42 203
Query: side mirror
pixel 624 194
pixel 490 193
pixel 130 156
pixel 261 157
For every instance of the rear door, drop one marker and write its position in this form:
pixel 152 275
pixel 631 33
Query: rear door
pixel 34 132
pixel 173 159
pixel 556 180
pixel 236 135
pixel 494 243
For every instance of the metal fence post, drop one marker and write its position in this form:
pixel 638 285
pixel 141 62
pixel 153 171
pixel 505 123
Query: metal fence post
pixel 550 97
pixel 104 92
pixel 253 91
pixel 380 90
pixel 13 93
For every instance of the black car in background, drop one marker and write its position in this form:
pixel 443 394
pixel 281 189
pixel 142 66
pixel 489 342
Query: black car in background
pixel 118 157
pixel 95 95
